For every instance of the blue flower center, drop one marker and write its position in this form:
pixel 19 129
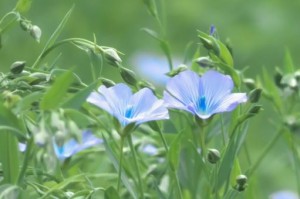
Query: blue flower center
pixel 202 104
pixel 129 112
pixel 60 149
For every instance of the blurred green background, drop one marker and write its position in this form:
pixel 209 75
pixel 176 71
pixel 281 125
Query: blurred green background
pixel 260 31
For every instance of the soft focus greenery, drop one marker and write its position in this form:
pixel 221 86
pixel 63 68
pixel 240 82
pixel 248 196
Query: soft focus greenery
pixel 259 31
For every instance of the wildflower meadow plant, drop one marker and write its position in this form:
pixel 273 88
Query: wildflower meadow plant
pixel 72 134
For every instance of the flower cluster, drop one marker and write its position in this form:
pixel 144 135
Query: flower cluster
pixel 201 96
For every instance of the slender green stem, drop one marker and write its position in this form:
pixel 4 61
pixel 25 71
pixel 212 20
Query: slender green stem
pixel 264 153
pixel 202 143
pixel 25 162
pixel 120 164
pixel 136 166
pixel 296 161
pixel 223 131
pixel 172 168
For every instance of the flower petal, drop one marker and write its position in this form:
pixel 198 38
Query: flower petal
pixel 146 107
pixel 215 87
pixel 230 102
pixel 184 87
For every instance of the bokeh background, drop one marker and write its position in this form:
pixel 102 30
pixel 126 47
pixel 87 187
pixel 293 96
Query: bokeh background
pixel 259 31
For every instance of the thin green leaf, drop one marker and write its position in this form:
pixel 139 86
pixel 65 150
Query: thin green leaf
pixel 9 152
pixel 75 101
pixel 174 151
pixel 152 33
pixel 53 37
pixel 288 62
pixel 23 5
pixel 53 97
pixel 151 7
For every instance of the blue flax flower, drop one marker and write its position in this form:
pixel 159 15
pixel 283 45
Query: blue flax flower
pixel 202 96
pixel 72 147
pixel 137 108
pixel 284 195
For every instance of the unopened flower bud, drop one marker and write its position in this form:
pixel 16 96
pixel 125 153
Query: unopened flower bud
pixel 210 43
pixel 35 32
pixel 107 82
pixel 250 83
pixel 17 67
pixel 41 138
pixel 289 80
pixel 128 76
pixel 112 56
pixel 241 183
pixel 25 25
pixel 177 70
pixel 204 62
pixel 254 95
pixel 255 109
pixel 241 179
pixel 213 156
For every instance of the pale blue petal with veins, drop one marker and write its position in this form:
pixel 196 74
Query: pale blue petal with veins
pixel 127 107
pixel 202 96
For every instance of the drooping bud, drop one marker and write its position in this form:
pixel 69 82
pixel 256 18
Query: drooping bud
pixel 112 57
pixel 177 70
pixel 107 82
pixel 25 25
pixel 128 76
pixel 254 95
pixel 17 67
pixel 241 183
pixel 213 156
pixel 250 83
pixel 35 32
pixel 241 180
pixel 204 62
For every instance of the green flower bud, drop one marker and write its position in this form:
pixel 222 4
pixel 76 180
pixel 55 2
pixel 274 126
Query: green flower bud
pixel 128 76
pixel 289 80
pixel 112 56
pixel 25 25
pixel 204 62
pixel 254 110
pixel 17 67
pixel 241 183
pixel 250 83
pixel 40 139
pixel 107 82
pixel 35 32
pixel 254 95
pixel 241 180
pixel 213 156
pixel 177 71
